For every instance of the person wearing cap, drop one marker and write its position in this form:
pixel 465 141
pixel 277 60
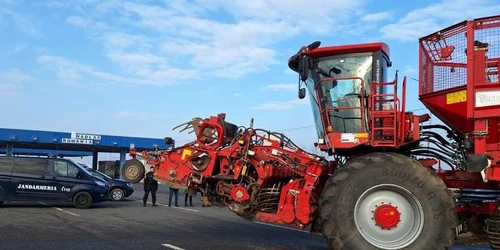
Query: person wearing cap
pixel 150 185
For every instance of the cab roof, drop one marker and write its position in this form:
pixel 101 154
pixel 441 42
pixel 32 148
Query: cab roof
pixel 350 48
pixel 293 62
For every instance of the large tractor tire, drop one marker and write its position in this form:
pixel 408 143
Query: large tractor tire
pixel 386 201
pixel 133 171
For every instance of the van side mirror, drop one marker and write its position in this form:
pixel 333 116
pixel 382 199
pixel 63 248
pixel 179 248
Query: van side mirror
pixel 302 93
pixel 81 175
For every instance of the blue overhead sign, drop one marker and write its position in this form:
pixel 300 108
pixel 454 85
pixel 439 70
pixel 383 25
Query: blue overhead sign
pixel 76 141
pixel 78 138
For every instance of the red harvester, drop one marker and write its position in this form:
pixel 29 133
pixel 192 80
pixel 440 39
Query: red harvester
pixel 385 188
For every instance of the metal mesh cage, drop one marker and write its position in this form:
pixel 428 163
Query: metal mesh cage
pixel 444 59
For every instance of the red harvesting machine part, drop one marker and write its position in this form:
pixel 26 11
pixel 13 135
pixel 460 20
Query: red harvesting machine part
pixel 258 174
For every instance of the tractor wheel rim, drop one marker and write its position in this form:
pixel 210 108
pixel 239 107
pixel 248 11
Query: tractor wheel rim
pixel 117 195
pixel 382 227
pixel 132 171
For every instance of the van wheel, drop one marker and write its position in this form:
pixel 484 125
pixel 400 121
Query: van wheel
pixel 133 171
pixel 1 202
pixel 82 200
pixel 117 194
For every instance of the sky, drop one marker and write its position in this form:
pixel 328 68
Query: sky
pixel 139 68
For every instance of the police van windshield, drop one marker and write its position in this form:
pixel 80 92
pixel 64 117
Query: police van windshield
pixel 79 166
pixel 100 174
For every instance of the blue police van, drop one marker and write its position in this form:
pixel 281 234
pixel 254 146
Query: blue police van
pixel 49 179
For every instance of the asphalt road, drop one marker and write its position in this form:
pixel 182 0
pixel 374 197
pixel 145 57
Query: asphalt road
pixel 129 225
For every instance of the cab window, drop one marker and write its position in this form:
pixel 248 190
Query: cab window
pixel 66 169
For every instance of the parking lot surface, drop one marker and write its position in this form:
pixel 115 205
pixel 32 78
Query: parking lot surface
pixel 129 225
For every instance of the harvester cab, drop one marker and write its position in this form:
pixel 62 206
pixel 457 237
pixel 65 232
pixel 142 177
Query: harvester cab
pixel 350 95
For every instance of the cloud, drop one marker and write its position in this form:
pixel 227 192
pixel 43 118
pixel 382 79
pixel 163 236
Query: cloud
pixel 314 17
pixel 71 72
pixel 282 86
pixel 232 62
pixel 119 41
pixel 374 17
pixel 280 105
pixel 409 70
pixel 78 21
pixel 181 30
pixel 137 115
pixel 237 94
pixel 7 2
pixel 18 47
pixel 423 21
pixel 11 80
pixel 23 23
pixel 139 63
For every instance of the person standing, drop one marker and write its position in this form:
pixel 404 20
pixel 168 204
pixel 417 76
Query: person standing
pixel 150 185
pixel 173 191
pixel 189 193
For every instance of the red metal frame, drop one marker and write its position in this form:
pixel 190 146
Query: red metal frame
pixel 479 123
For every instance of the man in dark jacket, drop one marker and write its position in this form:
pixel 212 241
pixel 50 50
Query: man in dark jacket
pixel 150 185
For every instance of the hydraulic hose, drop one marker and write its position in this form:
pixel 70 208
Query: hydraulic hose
pixel 438 151
pixel 437 136
pixel 450 132
pixel 435 155
pixel 441 146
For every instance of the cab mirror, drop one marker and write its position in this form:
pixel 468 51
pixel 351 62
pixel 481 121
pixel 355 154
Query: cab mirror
pixel 304 67
pixel 302 93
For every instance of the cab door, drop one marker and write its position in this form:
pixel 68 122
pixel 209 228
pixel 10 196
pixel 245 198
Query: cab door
pixel 29 179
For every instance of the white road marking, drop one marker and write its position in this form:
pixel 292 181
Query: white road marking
pixel 172 246
pixel 283 227
pixel 60 209
pixel 188 209
pixel 163 205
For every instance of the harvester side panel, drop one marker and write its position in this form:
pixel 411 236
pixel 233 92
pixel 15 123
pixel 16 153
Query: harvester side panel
pixel 457 67
pixel 459 71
